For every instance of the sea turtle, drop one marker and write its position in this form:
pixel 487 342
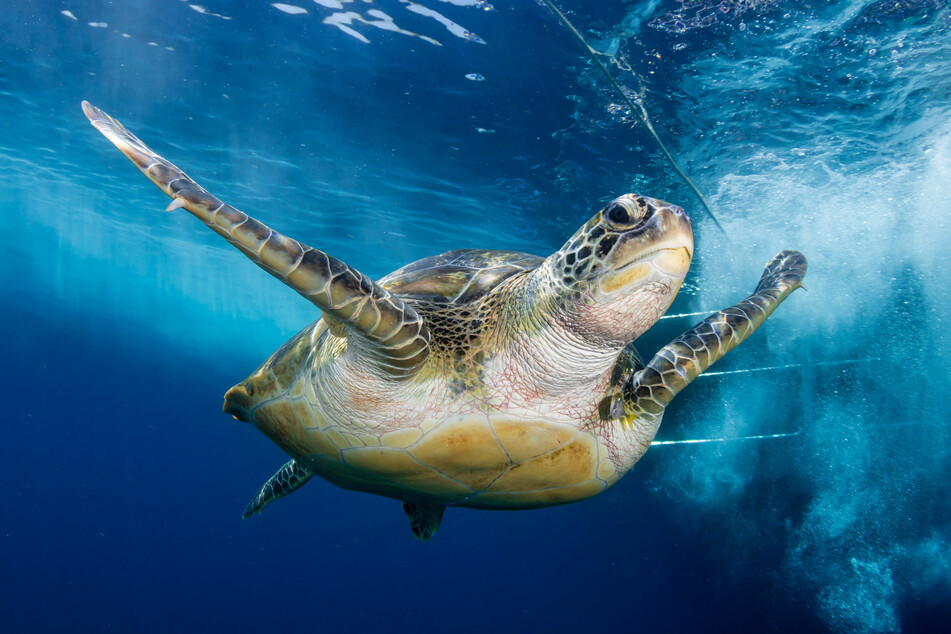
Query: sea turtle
pixel 482 379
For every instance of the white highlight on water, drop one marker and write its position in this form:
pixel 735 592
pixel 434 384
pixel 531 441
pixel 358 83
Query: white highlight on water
pixel 288 8
pixel 200 9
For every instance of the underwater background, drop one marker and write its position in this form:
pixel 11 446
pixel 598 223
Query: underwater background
pixel 387 131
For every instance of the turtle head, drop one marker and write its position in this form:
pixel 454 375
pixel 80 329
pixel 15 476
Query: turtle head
pixel 620 272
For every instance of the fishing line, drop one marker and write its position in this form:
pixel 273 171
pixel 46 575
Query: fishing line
pixel 698 441
pixel 790 366
pixel 637 108
pixel 702 312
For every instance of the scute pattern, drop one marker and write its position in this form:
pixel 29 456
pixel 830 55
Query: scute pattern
pixel 471 461
pixel 457 277
pixel 452 293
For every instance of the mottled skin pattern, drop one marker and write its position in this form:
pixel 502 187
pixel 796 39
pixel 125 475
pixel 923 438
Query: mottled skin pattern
pixel 485 379
pixel 683 359
pixel 290 477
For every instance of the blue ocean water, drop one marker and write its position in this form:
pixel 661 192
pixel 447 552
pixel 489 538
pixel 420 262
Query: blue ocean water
pixel 822 126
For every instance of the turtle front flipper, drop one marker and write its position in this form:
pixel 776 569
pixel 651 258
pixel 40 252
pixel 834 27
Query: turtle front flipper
pixel 424 519
pixel 678 363
pixel 381 324
pixel 288 479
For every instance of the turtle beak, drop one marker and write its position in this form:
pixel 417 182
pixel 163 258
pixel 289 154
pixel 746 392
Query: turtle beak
pixel 662 247
pixel 675 262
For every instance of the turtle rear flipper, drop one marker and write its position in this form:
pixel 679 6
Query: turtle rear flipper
pixel 288 479
pixel 379 323
pixel 678 363
pixel 424 519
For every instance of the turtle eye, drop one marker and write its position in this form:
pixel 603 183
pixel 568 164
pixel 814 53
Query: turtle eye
pixel 619 215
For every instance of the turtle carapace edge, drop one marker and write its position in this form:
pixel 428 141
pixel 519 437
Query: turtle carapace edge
pixel 480 379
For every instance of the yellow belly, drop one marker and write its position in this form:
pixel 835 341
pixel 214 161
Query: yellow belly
pixel 476 460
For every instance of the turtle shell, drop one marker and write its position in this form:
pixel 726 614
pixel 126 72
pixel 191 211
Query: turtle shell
pixel 457 277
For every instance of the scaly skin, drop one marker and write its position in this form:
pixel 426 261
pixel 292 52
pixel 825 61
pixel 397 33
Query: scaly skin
pixel 290 477
pixel 393 335
pixel 686 357
pixel 484 379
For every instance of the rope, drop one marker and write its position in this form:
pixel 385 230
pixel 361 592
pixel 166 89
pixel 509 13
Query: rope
pixel 637 108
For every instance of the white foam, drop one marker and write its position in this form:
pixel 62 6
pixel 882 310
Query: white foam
pixel 876 236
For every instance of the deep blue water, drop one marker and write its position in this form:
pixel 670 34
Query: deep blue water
pixel 824 127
